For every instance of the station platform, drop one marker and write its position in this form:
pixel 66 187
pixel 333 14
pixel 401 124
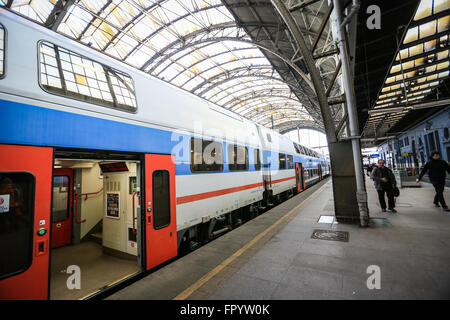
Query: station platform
pixel 275 257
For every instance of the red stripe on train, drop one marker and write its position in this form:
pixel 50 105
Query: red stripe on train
pixel 211 194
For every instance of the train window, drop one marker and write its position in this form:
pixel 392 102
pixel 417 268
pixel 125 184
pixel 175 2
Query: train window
pixel 69 74
pixel 2 50
pixel 161 198
pixel 60 200
pixel 290 162
pixel 282 161
pixel 206 156
pixel 257 160
pixel 16 222
pixel 269 138
pixel 237 158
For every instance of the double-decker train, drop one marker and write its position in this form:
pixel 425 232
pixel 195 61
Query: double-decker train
pixel 107 170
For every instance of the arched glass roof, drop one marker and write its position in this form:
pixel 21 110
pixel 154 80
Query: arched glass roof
pixel 193 44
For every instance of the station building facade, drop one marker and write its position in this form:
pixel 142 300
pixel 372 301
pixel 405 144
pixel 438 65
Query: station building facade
pixel 412 149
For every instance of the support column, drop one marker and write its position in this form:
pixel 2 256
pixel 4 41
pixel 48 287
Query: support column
pixel 361 193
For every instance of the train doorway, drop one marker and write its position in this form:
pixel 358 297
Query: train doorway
pixel 299 176
pixel 96 232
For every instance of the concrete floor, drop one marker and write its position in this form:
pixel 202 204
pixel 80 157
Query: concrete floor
pixel 97 269
pixel 283 262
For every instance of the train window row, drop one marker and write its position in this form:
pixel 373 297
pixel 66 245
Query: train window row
pixel 311 173
pixel 70 74
pixel 2 51
pixel 285 161
pixel 207 156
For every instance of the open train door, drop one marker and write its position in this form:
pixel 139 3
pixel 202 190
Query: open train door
pixel 298 176
pixel 319 171
pixel 160 209
pixel 25 206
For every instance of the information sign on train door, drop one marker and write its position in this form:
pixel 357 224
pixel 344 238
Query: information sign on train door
pixel 160 209
pixel 25 187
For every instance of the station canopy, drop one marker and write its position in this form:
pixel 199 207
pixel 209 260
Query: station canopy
pixel 418 72
pixel 193 44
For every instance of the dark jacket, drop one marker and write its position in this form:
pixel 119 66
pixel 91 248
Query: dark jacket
pixel 377 175
pixel 436 170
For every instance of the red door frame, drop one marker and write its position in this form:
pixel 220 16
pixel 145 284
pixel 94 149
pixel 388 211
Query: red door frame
pixel 62 230
pixel 161 244
pixel 298 176
pixel 33 282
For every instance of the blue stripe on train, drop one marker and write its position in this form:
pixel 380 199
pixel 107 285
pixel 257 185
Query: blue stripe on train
pixel 27 124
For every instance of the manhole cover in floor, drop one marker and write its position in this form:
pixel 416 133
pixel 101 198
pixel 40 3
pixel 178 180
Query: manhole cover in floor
pixel 330 235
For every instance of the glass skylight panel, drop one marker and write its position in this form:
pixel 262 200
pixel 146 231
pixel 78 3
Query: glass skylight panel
pixel 38 10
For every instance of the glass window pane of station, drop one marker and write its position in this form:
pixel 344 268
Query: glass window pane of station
pixel 16 222
pixel 67 73
pixel 161 198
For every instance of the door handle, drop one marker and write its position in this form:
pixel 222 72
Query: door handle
pixel 149 219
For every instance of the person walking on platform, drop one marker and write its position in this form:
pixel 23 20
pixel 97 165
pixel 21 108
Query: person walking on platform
pixel 384 181
pixel 437 169
pixel 369 169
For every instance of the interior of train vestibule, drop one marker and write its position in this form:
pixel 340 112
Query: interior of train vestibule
pixel 95 205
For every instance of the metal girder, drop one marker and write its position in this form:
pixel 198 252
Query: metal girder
pixel 302 4
pixel 259 76
pixel 278 100
pixel 322 26
pixel 294 124
pixel 219 39
pixel 58 13
pixel 228 74
pixel 315 74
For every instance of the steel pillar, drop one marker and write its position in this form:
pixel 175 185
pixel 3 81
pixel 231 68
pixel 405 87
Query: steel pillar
pixel 361 193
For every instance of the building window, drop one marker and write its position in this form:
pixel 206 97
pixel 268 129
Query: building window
pixel 206 156
pixel 282 161
pixel 446 133
pixel 16 222
pixel 237 158
pixel 69 74
pixel 2 50
pixel 290 162
pixel 161 198
pixel 257 160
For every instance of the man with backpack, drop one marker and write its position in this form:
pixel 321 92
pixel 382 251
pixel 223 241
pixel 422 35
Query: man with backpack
pixel 384 181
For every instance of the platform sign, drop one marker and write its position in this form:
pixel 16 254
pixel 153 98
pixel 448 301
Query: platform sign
pixel 112 205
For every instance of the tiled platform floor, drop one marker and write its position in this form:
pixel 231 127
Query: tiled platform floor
pixel 412 252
